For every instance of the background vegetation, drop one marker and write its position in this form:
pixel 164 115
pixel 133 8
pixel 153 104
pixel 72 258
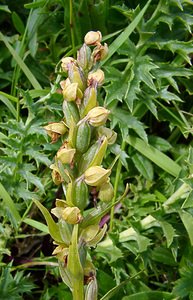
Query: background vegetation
pixel 148 252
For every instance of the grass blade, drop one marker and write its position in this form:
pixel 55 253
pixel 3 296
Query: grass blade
pixel 38 225
pixel 9 105
pixel 156 156
pixel 116 44
pixel 10 205
pixel 21 64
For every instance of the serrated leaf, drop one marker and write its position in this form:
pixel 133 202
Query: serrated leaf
pixel 52 226
pixel 125 121
pixel 33 179
pixel 183 286
pixel 24 193
pixel 168 96
pixel 184 49
pixel 38 156
pixel 143 165
pixel 141 72
pixel 126 33
pixel 169 232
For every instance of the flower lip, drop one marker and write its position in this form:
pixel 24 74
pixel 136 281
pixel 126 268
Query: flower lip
pixel 93 38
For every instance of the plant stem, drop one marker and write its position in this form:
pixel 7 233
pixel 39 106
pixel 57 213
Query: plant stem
pixel 78 289
pixel 71 27
pixel 117 177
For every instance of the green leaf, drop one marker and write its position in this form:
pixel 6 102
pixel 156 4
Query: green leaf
pixel 33 179
pixel 150 296
pixel 40 226
pixel 125 121
pixel 183 286
pixel 5 8
pixel 163 256
pixel 38 156
pixel 168 96
pixel 74 265
pixel 143 165
pixel 187 220
pixel 109 249
pixel 9 105
pixel 159 143
pixel 52 226
pixel 115 289
pixel 36 4
pixel 169 232
pixel 18 23
pixel 188 201
pixel 157 157
pixel 21 63
pixel 10 205
pixel 116 44
pixel 10 97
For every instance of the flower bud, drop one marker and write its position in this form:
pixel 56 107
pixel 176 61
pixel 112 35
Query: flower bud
pixel 106 192
pixel 80 194
pixel 89 233
pixel 65 62
pixel 89 270
pixel 70 111
pixel 61 252
pixel 56 176
pixel 84 58
pixel 99 53
pixel 97 77
pixel 83 137
pixel 72 92
pixel 72 215
pixel 76 76
pixel 65 83
pixel 96 176
pixel 89 100
pixel 111 135
pixel 65 155
pixel 92 290
pixel 55 130
pixel 97 116
pixel 93 38
pixel 94 154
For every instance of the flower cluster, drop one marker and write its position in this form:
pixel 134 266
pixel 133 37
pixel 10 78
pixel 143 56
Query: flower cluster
pixel 78 162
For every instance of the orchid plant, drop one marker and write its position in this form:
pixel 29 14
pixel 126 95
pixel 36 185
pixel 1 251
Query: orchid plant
pixel 78 168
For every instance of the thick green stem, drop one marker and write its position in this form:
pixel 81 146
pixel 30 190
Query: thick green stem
pixel 78 289
pixel 118 172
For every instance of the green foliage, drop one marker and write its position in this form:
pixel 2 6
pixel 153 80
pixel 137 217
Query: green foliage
pixel 14 287
pixel 148 88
